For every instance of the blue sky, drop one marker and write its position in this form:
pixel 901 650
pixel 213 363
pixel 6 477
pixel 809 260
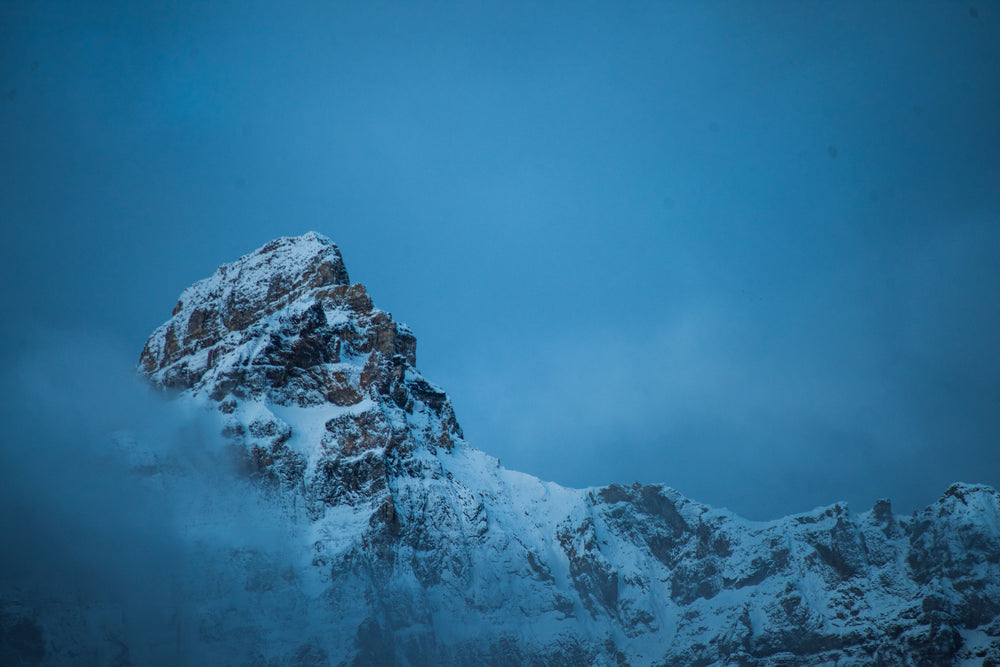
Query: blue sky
pixel 750 252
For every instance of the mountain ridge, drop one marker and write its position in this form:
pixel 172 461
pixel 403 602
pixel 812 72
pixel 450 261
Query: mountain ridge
pixel 415 548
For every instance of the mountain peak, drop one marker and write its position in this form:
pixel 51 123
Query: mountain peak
pixel 270 277
pixel 283 321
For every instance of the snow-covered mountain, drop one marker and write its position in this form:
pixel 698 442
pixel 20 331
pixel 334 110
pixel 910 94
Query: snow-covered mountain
pixel 402 544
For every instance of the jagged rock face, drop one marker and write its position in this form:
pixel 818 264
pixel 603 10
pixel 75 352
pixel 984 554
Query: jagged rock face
pixel 282 322
pixel 418 549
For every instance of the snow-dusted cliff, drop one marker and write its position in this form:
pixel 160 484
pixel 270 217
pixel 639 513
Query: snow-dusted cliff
pixel 402 544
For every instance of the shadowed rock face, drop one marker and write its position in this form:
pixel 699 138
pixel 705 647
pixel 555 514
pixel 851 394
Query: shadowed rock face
pixel 244 292
pixel 419 549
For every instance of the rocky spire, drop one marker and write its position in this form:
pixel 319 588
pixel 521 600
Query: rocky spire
pixel 276 319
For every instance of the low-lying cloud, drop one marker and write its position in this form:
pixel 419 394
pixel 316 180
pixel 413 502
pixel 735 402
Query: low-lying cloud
pixel 111 497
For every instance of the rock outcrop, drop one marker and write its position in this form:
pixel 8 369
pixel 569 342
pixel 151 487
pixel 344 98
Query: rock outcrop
pixel 418 549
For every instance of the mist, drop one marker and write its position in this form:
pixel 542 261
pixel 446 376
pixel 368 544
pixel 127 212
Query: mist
pixel 776 400
pixel 118 505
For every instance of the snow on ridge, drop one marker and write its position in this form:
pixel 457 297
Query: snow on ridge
pixel 396 493
pixel 252 276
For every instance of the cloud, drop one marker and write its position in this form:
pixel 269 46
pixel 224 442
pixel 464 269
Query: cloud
pixel 836 387
pixel 118 506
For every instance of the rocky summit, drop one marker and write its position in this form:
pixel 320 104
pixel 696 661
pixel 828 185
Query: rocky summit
pixel 398 543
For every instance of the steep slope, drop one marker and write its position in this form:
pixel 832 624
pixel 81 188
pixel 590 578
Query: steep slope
pixel 405 545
